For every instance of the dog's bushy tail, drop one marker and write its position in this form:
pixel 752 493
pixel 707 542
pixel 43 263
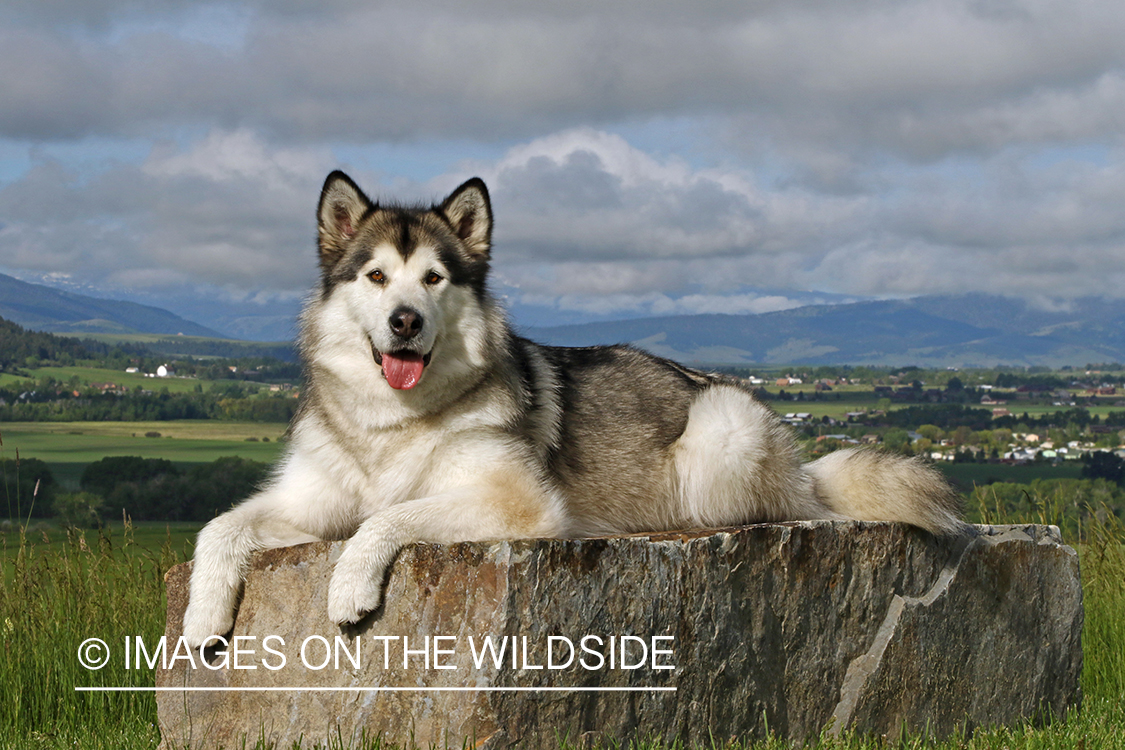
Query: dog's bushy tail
pixel 871 485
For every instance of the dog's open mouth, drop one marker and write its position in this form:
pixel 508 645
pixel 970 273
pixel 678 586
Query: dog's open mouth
pixel 402 369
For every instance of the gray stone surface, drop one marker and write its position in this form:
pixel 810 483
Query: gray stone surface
pixel 798 626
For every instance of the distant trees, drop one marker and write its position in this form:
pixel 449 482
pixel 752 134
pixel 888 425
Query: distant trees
pixel 158 490
pixel 947 417
pixel 1104 465
pixel 82 509
pixel 102 477
pixel 1016 379
pixel 233 394
pixel 146 489
pixel 21 348
pixel 52 401
pixel 28 488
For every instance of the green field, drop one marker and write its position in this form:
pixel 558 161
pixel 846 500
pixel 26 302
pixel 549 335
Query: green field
pixel 151 338
pixel 58 592
pixel 147 538
pixel 67 447
pixel 144 338
pixel 966 475
pixel 835 403
pixel 838 409
pixel 57 587
pixel 130 380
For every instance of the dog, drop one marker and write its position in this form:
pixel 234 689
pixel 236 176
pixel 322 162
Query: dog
pixel 425 418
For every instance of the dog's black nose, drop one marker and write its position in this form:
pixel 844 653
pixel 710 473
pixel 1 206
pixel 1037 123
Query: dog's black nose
pixel 406 323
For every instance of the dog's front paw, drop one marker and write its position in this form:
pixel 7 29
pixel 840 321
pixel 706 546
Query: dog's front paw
pixel 354 591
pixel 203 620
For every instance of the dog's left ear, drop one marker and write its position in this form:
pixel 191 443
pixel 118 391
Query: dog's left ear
pixel 469 212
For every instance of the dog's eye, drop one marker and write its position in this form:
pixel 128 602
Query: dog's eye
pixel 377 276
pixel 433 277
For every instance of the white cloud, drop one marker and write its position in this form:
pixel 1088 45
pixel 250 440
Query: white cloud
pixel 582 215
pixel 918 78
pixel 588 222
pixel 588 194
pixel 229 210
pixel 874 147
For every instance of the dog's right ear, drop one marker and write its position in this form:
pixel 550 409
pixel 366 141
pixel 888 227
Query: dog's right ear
pixel 342 206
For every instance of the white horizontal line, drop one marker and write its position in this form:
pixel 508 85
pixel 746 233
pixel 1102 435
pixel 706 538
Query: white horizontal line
pixel 376 689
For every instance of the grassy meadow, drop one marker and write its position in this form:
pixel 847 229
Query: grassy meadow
pixel 128 380
pixel 67 447
pixel 46 538
pixel 964 476
pixel 64 586
pixel 60 586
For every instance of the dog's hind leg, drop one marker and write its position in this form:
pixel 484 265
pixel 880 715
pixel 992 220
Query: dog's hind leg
pixel 222 553
pixel 737 462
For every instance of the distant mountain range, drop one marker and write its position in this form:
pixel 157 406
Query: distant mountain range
pixel 972 330
pixel 42 308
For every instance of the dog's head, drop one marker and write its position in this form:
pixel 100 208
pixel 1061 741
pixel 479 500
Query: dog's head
pixel 404 275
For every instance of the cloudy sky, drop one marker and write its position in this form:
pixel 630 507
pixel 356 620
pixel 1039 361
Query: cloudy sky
pixel 644 157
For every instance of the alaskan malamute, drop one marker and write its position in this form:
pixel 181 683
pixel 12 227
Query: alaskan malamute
pixel 425 418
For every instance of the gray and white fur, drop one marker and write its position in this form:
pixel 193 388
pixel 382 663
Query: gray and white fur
pixel 426 418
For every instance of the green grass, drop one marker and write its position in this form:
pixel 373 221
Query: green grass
pixel 56 597
pixel 835 409
pixel 142 338
pixel 1018 408
pixel 149 338
pixel 188 429
pixel 966 475
pixel 67 447
pixel 840 401
pixel 130 380
pixel 145 537
pixel 68 587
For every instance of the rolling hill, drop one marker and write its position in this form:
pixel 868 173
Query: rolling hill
pixel 972 330
pixel 42 308
pixel 941 331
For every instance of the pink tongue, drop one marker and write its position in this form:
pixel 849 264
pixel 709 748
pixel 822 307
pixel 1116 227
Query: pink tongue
pixel 403 369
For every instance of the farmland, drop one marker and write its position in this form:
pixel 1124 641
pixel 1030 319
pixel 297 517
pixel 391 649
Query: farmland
pixel 57 577
pixel 67 447
pixel 59 588
pixel 88 375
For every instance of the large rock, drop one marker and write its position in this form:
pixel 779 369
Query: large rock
pixel 795 627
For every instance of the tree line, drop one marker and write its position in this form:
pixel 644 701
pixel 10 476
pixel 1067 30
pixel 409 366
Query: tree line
pixel 145 489
pixel 52 403
pixel 20 348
